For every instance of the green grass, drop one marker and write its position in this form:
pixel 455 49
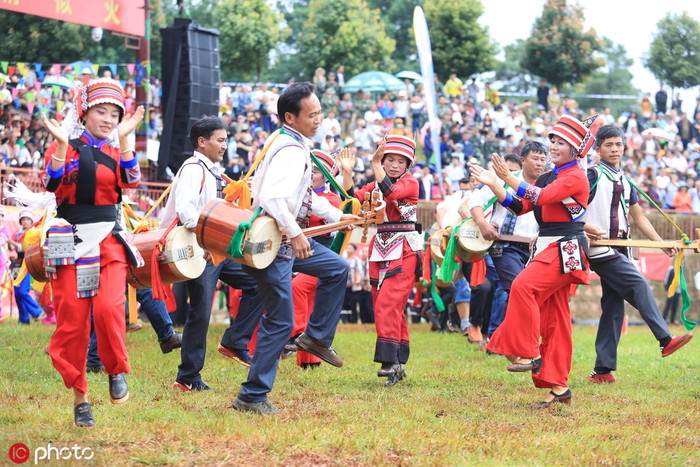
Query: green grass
pixel 457 407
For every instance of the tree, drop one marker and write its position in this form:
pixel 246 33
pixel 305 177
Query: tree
pixel 559 50
pixel 674 54
pixel 615 78
pixel 398 19
pixel 460 44
pixel 344 32
pixel 510 72
pixel 249 30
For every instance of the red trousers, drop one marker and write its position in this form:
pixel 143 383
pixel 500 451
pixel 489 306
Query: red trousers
pixel 390 301
pixel 304 297
pixel 69 343
pixel 538 306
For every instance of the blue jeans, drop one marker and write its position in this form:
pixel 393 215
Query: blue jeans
pixel 275 287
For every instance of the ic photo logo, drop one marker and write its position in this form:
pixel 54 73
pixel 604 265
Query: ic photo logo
pixel 20 453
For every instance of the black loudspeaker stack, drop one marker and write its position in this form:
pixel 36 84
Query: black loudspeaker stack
pixel 191 74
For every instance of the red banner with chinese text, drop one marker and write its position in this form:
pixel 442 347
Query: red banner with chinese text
pixel 126 16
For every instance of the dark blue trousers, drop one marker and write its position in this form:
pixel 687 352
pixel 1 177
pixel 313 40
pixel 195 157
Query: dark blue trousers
pixel 621 281
pixel 201 291
pixel 275 288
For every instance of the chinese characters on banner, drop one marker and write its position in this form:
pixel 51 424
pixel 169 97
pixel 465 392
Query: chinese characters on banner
pixel 126 16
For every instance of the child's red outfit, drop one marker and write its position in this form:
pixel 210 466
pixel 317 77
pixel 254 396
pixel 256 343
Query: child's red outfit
pixel 394 265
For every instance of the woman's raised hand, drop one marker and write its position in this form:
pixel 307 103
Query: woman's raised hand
pixel 346 159
pixel 55 129
pixel 131 121
pixel 500 166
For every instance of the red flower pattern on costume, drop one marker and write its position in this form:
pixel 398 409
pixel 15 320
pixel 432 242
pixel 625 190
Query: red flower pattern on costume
pixel 569 247
pixel 572 264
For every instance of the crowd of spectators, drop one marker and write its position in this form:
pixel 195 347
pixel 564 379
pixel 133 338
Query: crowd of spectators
pixel 663 137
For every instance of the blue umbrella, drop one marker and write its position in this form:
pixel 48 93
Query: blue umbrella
pixel 374 81
pixel 409 75
pixel 58 81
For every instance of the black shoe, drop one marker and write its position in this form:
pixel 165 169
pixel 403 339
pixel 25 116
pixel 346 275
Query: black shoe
pixel 171 343
pixel 260 408
pixel 314 347
pixel 118 389
pixel 310 366
pixel 82 414
pixel 563 398
pixel 398 375
pixel 387 370
pixel 240 355
pixel 94 369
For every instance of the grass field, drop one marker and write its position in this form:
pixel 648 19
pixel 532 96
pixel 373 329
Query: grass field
pixel 458 406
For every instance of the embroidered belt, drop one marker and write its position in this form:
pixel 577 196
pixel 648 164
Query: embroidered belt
pixel 396 227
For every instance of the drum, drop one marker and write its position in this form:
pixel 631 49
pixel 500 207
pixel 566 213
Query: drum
pixel 434 247
pixel 181 260
pixel 471 245
pixel 34 260
pixel 218 223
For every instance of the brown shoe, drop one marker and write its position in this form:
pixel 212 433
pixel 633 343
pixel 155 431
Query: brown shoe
pixel 474 335
pixel 314 347
pixel 563 398
pixel 533 365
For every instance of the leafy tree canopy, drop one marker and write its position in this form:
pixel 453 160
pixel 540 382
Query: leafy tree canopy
pixel 460 43
pixel 344 32
pixel 559 50
pixel 674 54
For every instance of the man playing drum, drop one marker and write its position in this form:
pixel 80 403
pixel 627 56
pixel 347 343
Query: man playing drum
pixel 282 188
pixel 197 182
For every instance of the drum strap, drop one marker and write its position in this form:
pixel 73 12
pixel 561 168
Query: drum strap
pixel 235 247
pixel 160 291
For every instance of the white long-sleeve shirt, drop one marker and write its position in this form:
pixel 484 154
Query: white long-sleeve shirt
pixel 525 225
pixel 282 180
pixel 186 201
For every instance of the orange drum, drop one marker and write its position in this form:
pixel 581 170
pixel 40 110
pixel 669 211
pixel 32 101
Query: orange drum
pixel 34 260
pixel 181 260
pixel 218 223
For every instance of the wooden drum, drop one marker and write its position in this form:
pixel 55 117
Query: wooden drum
pixel 182 258
pixel 218 223
pixel 34 260
pixel 471 245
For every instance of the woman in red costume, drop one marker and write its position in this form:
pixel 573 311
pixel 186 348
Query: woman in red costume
pixel 395 258
pixel 85 252
pixel 539 301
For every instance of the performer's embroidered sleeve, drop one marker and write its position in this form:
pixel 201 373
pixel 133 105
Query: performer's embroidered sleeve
pixel 130 173
pixel 569 184
pixel 529 192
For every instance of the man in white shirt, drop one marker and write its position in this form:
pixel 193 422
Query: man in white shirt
pixel 375 122
pixel 282 188
pixel 509 258
pixel 198 182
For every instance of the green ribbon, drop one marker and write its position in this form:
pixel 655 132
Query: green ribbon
pixel 449 265
pixel 685 296
pixel 433 289
pixel 340 236
pixel 235 247
pixel 689 325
